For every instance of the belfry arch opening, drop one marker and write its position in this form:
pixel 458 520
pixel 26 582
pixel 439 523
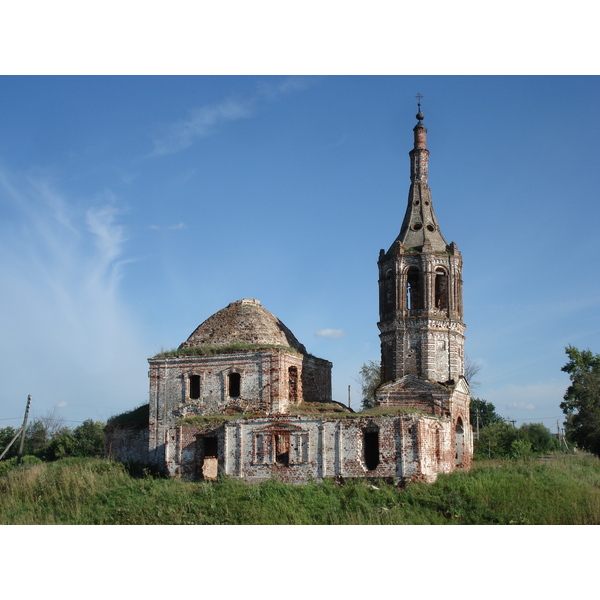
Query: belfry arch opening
pixel 441 289
pixel 413 289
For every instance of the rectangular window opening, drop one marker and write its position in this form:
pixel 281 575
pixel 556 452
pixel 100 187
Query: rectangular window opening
pixel 194 387
pixel 234 384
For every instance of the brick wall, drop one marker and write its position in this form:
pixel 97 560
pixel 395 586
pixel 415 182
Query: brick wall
pixel 300 448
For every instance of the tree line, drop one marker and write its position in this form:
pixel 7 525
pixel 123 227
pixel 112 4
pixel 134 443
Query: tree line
pixel 497 438
pixel 48 439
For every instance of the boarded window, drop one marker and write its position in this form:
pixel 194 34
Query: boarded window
pixel 194 387
pixel 389 286
pixel 371 449
pixel 234 384
pixel 293 384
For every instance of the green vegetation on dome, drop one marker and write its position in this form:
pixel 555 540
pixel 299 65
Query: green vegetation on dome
pixel 137 418
pixel 229 349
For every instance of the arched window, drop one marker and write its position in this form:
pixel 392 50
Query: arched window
pixel 413 289
pixel 194 387
pixel 234 385
pixel 441 289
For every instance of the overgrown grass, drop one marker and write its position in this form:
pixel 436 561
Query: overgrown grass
pixel 88 491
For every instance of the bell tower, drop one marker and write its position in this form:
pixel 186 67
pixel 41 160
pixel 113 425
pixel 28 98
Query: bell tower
pixel 420 288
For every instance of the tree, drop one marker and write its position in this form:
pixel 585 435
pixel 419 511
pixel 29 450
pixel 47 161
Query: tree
pixel 581 402
pixel 484 411
pixel 471 369
pixel 369 380
pixel 539 436
pixel 89 439
pixel 6 436
pixel 496 440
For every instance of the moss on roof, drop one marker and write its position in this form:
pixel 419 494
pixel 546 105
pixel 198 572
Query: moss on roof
pixel 229 349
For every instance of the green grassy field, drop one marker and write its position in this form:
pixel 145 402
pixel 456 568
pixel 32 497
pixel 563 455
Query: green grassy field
pixel 565 490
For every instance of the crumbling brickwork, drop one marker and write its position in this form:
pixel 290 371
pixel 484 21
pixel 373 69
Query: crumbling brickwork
pixel 244 365
pixel 125 444
pixel 256 373
pixel 296 449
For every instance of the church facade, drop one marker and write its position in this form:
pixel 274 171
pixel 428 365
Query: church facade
pixel 241 397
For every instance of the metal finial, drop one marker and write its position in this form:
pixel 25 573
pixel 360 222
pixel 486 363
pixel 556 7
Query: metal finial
pixel 420 115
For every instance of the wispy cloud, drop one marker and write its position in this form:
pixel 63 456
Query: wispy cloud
pixel 203 121
pixel 330 333
pixel 176 227
pixel 68 336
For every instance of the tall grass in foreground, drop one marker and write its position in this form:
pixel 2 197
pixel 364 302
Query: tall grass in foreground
pixel 87 491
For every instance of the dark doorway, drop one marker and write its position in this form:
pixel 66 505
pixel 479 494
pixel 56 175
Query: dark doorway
pixel 371 449
pixel 211 447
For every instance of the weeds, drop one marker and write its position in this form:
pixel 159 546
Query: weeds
pixel 91 491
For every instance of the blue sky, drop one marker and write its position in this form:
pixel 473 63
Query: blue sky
pixel 132 208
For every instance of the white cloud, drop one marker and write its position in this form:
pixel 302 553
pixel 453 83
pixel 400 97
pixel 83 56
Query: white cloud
pixel 522 405
pixel 203 121
pixel 330 333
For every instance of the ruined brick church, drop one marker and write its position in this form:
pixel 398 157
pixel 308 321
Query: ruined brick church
pixel 243 398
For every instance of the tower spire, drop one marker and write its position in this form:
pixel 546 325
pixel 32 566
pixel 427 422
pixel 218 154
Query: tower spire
pixel 420 225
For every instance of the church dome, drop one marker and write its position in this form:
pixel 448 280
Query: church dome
pixel 243 322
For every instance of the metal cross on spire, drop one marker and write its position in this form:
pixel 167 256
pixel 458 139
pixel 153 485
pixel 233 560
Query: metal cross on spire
pixel 420 115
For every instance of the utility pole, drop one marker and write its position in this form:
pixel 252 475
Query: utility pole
pixel 349 398
pixel 477 413
pixel 11 443
pixel 20 454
